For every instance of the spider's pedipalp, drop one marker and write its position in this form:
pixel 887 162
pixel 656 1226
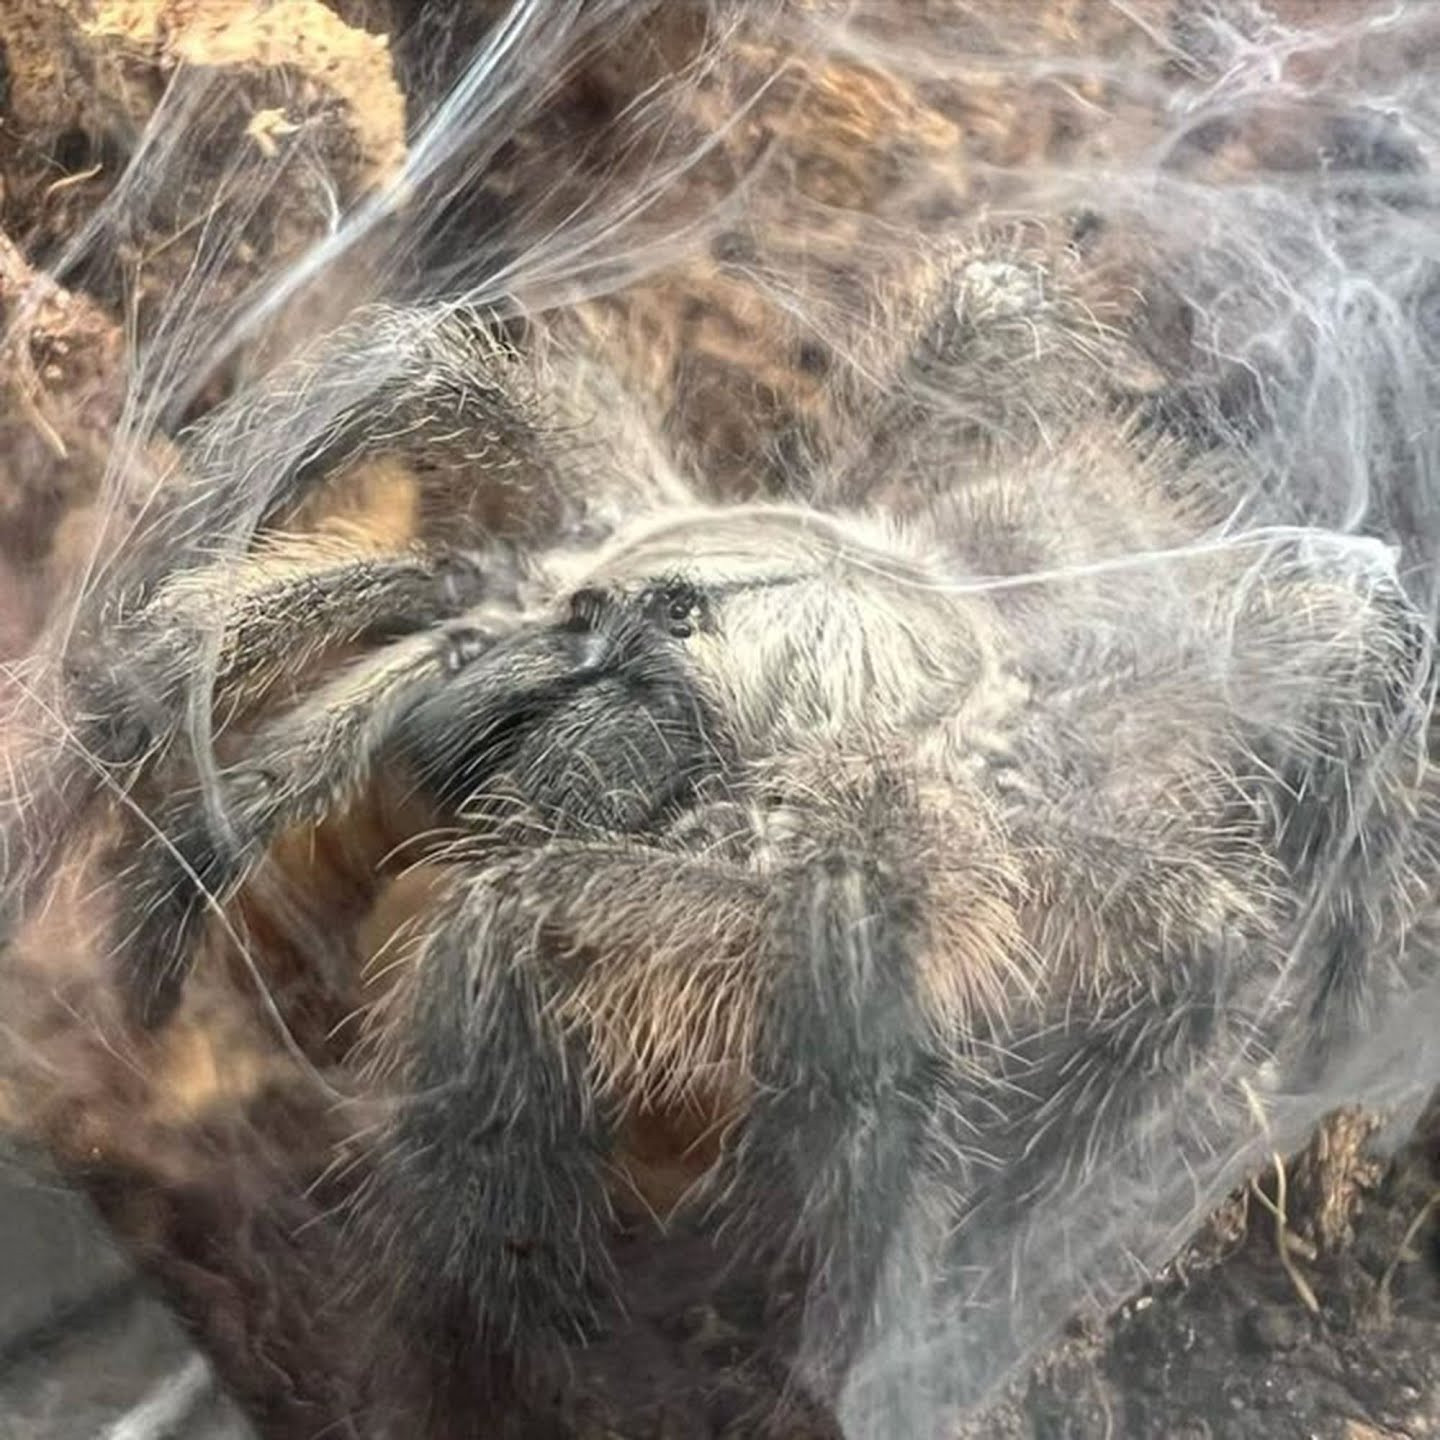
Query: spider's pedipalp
pixel 533 1024
pixel 125 693
pixel 317 595
pixel 845 1064
pixel 297 768
pixel 490 1187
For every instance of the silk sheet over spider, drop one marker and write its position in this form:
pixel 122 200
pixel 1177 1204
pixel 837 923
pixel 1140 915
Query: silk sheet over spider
pixel 970 856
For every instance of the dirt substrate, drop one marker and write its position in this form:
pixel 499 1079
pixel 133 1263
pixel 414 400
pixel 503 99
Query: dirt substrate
pixel 1337 1342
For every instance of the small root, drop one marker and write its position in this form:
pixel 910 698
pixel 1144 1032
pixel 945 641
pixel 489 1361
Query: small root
pixel 1287 1243
pixel 1403 1251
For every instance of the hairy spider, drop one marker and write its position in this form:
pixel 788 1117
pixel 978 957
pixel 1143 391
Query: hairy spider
pixel 942 860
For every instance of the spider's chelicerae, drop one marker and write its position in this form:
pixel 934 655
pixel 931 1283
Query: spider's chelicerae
pixel 940 857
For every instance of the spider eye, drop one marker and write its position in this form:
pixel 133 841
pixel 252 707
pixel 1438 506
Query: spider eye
pixel 675 606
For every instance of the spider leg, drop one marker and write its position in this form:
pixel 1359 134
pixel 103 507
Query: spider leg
pixel 298 767
pixel 397 379
pixel 1197 918
pixel 800 980
pixel 491 1177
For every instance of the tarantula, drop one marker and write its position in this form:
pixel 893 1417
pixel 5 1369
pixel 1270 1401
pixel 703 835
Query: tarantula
pixel 941 860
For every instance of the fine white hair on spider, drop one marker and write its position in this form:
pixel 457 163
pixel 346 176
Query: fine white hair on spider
pixel 984 811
